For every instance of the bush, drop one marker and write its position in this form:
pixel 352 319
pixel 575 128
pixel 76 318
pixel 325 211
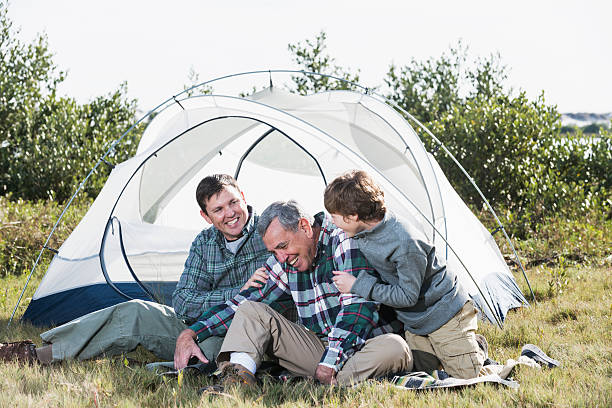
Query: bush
pixel 311 57
pixel 61 141
pixel 48 143
pixel 512 147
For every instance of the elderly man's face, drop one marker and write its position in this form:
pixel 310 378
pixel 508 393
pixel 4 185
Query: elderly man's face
pixel 298 248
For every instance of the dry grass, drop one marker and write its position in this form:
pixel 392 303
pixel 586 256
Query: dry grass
pixel 571 322
pixel 573 326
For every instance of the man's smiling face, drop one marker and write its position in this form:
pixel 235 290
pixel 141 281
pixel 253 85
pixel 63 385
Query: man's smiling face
pixel 227 211
pixel 297 248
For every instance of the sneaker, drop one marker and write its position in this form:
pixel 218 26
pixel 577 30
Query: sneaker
pixel 484 346
pixel 20 351
pixel 536 354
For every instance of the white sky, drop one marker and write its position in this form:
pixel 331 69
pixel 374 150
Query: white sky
pixel 561 47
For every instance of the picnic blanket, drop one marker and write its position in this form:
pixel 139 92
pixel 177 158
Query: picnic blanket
pixel 494 373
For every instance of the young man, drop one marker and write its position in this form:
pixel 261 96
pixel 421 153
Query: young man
pixel 220 261
pixel 340 338
pixel 439 318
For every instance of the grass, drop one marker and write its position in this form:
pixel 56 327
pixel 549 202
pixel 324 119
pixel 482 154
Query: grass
pixel 573 326
pixel 571 322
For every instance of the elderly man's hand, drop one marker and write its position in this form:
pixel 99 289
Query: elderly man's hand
pixel 326 375
pixel 186 348
pixel 259 278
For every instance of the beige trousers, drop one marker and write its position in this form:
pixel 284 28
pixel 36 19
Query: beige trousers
pixel 453 346
pixel 257 329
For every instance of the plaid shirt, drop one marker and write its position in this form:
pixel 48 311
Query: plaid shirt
pixel 213 274
pixel 345 321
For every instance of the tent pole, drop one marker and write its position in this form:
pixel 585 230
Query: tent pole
pixel 262 137
pixel 244 156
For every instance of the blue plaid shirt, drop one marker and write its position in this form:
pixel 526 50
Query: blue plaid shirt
pixel 213 274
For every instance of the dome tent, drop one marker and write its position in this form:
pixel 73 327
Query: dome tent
pixel 134 239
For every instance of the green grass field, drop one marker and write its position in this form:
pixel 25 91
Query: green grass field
pixel 573 326
pixel 571 271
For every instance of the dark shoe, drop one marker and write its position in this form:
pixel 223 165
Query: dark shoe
pixel 536 354
pixel 235 374
pixel 20 351
pixel 231 375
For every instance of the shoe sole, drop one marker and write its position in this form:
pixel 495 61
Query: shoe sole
pixel 535 353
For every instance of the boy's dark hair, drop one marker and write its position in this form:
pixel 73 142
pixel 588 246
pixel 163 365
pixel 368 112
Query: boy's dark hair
pixel 355 192
pixel 211 185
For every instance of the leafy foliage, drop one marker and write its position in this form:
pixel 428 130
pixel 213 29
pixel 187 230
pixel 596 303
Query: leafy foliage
pixel 312 57
pixel 49 143
pixel 512 147
pixel 195 87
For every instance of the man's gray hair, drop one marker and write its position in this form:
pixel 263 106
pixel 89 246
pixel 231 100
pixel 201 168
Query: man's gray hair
pixel 288 214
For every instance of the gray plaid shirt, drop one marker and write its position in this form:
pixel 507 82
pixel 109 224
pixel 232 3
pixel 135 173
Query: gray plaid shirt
pixel 213 274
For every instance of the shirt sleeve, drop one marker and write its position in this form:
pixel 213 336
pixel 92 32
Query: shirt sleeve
pixel 216 321
pixel 194 291
pixel 410 268
pixel 357 316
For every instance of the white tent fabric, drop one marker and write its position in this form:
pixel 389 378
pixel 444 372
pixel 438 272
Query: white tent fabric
pixel 137 234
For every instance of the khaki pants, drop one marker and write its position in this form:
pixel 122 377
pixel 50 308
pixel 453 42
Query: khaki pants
pixel 257 329
pixel 453 346
pixel 121 328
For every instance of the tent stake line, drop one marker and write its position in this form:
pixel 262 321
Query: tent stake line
pixel 55 251
pixel 354 87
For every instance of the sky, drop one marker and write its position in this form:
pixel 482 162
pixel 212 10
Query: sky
pixel 563 48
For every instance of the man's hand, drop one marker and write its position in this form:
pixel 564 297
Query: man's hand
pixel 344 281
pixel 326 375
pixel 259 278
pixel 186 348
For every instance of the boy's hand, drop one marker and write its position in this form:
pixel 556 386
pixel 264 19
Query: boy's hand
pixel 344 281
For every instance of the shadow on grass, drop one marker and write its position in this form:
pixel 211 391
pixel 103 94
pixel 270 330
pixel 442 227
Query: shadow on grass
pixel 563 315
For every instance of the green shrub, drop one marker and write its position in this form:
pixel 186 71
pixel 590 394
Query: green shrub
pixel 512 147
pixel 48 143
pixel 311 57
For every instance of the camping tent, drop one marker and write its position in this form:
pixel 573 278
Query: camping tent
pixel 134 239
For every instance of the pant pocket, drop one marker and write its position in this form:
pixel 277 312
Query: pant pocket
pixel 460 358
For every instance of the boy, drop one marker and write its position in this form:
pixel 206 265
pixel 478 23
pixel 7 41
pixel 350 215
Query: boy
pixel 439 318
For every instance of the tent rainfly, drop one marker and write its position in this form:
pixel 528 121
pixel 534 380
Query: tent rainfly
pixel 134 239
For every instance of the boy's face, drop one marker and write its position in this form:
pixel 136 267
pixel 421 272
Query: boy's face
pixel 348 223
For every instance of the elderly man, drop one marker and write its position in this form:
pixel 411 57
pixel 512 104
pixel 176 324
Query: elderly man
pixel 220 261
pixel 341 338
